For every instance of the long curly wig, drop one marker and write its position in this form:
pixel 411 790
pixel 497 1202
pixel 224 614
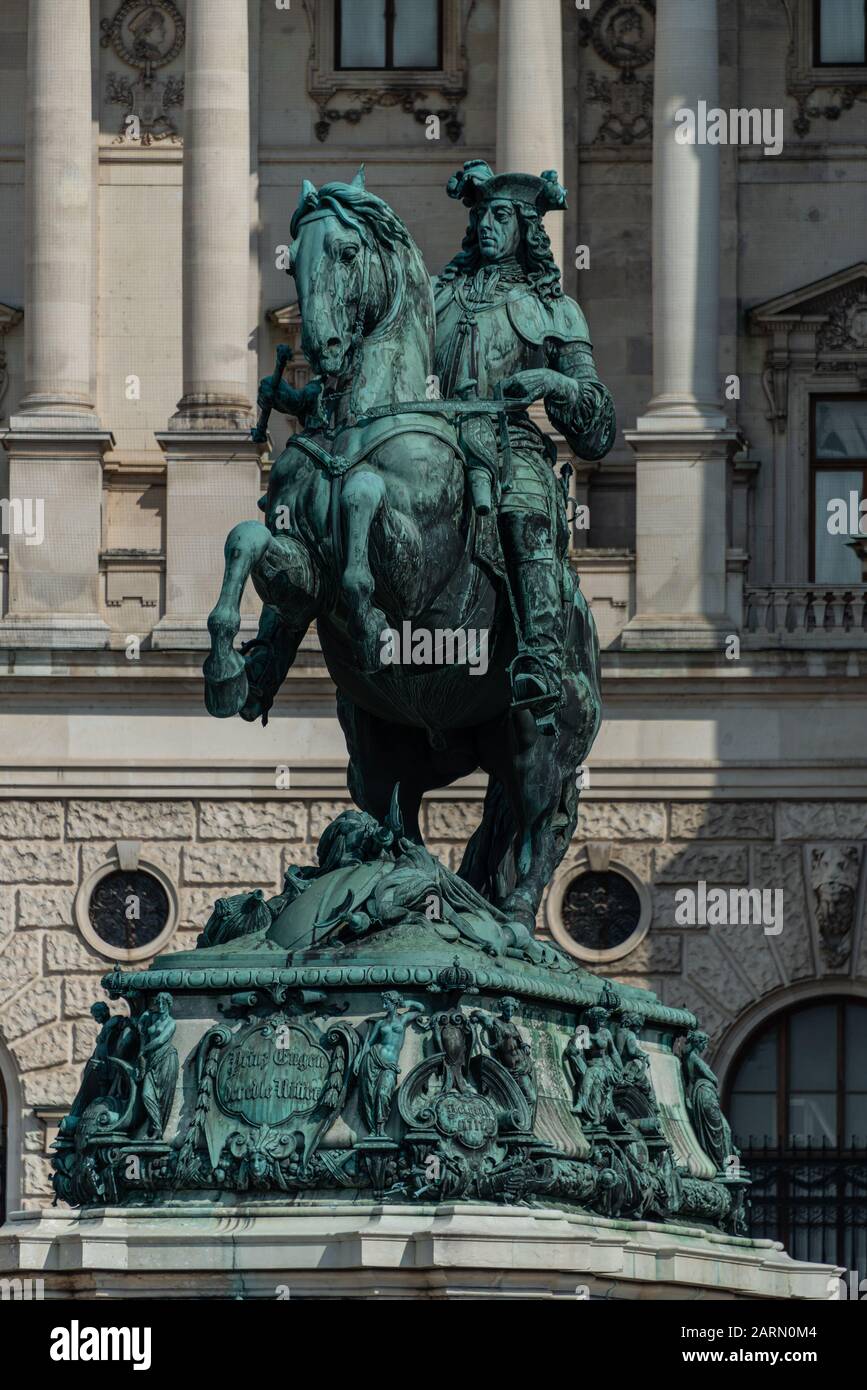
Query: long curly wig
pixel 534 254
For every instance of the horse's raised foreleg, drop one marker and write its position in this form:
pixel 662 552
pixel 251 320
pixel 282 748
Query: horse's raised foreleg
pixel 225 677
pixel 362 496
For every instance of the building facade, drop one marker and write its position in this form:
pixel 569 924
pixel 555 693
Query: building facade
pixel 151 155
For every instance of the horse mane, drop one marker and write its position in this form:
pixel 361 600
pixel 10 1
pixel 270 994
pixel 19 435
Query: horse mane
pixel 355 208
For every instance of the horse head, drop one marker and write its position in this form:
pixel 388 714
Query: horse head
pixel 353 261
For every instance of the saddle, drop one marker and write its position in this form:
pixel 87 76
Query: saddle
pixel 466 426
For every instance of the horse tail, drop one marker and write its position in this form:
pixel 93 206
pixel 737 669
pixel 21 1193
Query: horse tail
pixel 488 864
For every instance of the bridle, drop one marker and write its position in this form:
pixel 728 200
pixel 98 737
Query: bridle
pixel 362 308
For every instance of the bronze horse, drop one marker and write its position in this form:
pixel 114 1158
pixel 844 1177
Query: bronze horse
pixel 368 525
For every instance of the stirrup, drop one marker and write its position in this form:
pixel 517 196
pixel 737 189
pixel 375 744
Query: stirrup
pixel 527 666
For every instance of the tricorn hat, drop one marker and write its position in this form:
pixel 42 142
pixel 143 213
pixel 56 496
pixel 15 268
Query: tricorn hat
pixel 477 183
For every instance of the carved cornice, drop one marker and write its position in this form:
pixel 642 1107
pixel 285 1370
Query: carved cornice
pixel 184 971
pixel 830 318
pixel 287 317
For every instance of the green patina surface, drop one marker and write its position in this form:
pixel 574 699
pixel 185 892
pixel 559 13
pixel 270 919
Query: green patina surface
pixel 385 1028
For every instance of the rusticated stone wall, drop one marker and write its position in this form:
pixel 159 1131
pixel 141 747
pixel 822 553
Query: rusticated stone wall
pixel 49 975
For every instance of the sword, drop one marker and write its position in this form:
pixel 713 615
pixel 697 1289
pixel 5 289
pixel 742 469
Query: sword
pixel 505 442
pixel 259 434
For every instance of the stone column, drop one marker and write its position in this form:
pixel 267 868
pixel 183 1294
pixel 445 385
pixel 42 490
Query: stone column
pixel 216 266
pixel 54 442
pixel 213 469
pixel 530 95
pixel 683 441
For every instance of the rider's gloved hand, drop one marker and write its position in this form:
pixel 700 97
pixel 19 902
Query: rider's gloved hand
pixel 529 386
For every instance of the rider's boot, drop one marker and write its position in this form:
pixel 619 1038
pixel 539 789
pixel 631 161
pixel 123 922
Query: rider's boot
pixel 536 672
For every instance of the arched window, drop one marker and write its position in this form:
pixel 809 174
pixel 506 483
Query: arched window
pixel 798 1109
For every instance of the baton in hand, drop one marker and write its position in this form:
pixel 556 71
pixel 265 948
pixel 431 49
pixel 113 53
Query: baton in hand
pixel 259 434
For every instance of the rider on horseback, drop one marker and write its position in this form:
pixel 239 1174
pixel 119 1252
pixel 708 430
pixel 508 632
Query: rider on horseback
pixel 366 521
pixel 504 327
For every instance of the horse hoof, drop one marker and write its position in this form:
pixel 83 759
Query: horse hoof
pixel 519 913
pixel 226 687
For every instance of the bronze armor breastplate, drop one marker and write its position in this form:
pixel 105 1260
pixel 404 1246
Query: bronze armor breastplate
pixel 476 339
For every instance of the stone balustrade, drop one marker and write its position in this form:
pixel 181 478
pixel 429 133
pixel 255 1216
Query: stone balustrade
pixel 813 614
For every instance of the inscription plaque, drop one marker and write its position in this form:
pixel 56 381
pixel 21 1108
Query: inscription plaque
pixel 271 1074
pixel 469 1119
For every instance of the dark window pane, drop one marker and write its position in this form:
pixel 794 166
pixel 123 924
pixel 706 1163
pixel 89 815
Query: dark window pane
pixel 128 910
pixel 841 31
pixel 416 33
pixel 813 1118
pixel 753 1118
pixel 758 1070
pixel 836 561
pixel 855 1120
pixel 856 1047
pixel 362 33
pixel 841 427
pixel 813 1044
pixel 600 910
pixel 806 1189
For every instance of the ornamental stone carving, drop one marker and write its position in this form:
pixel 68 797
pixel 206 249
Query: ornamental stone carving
pixel 622 35
pixel 823 92
pixel 834 874
pixel 352 94
pixel 146 35
pixel 821 327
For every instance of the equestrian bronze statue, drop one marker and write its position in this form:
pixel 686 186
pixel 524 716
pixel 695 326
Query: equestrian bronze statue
pixel 384 1029
pixel 402 502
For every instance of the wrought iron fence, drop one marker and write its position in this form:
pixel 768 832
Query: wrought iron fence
pixel 812 1198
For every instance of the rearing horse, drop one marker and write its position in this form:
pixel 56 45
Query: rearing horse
pixel 368 525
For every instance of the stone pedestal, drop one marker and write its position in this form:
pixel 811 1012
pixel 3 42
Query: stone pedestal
pixel 681 538
pixel 54 577
pixel 213 482
pixel 261 1251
